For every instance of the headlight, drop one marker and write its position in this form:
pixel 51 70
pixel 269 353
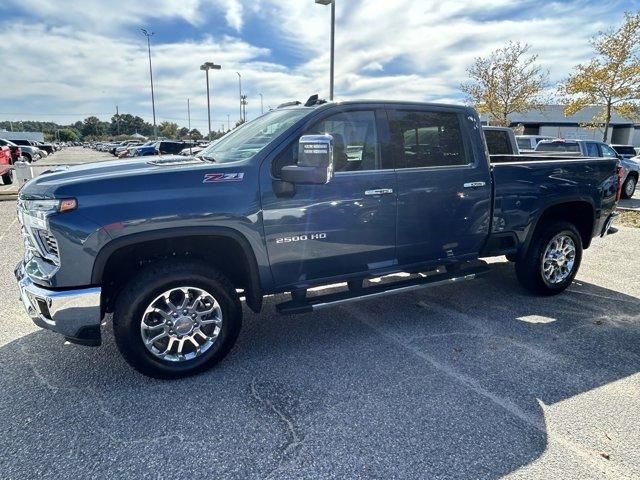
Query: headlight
pixel 41 209
pixel 50 206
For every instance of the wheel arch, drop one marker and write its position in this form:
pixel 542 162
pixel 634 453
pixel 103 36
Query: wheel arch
pixel 579 212
pixel 185 241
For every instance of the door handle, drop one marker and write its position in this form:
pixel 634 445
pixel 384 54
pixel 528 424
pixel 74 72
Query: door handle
pixel 474 184
pixel 379 191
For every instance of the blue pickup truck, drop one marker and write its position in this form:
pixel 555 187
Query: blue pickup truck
pixel 303 196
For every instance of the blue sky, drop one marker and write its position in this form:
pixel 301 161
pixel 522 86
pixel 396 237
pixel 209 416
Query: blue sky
pixel 69 59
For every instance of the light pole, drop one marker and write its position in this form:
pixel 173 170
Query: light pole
pixel 206 66
pixel 240 93
pixel 243 101
pixel 261 104
pixel 153 100
pixel 228 122
pixel 333 32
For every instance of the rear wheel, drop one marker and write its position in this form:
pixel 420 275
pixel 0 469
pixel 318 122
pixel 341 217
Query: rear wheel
pixel 629 186
pixel 553 259
pixel 7 179
pixel 176 318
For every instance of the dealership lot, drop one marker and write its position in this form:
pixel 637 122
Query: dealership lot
pixel 472 380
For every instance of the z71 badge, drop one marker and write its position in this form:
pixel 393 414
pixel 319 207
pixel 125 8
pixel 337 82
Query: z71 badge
pixel 302 238
pixel 223 177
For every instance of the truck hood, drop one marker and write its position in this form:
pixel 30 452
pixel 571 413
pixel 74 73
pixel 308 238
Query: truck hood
pixel 58 178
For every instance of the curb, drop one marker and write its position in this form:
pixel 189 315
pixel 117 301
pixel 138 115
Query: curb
pixel 5 197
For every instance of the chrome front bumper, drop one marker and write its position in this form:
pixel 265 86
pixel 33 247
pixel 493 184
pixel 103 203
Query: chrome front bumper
pixel 72 313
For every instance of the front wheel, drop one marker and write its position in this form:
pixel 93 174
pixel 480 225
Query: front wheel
pixel 553 259
pixel 176 318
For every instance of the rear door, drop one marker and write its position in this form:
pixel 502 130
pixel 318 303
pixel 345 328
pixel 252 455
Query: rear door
pixel 444 184
pixel 346 226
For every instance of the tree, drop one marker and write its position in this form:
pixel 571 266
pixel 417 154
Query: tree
pixel 93 127
pixel 168 129
pixel 68 135
pixel 611 79
pixel 195 134
pixel 507 81
pixel 183 132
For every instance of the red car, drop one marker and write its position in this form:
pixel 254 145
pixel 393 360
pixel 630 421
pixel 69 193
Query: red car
pixel 5 163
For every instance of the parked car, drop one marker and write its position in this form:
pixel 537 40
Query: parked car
pixel 500 140
pixel 592 148
pixel 194 149
pixel 169 147
pixel 625 151
pixel 300 197
pixel 118 150
pixel 28 152
pixel 5 165
pixel 527 143
pixel 16 151
pixel 29 143
pixel 47 147
pixel 148 148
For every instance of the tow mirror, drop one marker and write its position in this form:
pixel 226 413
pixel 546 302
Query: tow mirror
pixel 315 161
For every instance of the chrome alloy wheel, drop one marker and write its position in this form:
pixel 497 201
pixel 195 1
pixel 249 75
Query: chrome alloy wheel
pixel 558 259
pixel 181 324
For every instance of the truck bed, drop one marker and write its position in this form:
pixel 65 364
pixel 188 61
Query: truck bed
pixel 527 185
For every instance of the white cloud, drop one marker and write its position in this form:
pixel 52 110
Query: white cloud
pixel 81 60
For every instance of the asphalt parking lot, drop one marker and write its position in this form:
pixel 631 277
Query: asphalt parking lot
pixel 475 380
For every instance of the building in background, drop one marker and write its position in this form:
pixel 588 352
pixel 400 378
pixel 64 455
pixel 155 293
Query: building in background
pixel 34 136
pixel 552 122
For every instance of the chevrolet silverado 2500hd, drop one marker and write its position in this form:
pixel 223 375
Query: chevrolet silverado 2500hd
pixel 302 196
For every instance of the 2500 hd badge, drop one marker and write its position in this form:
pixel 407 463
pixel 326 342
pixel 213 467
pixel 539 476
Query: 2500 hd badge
pixel 302 238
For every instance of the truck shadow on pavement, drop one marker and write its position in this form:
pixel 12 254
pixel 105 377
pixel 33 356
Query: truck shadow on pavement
pixel 465 381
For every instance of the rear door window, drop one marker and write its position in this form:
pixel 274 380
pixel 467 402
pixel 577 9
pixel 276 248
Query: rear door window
pixel 428 139
pixel 592 149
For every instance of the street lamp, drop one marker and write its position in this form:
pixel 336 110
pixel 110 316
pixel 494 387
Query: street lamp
pixel 153 101
pixel 240 93
pixel 206 66
pixel 243 102
pixel 261 104
pixel 333 32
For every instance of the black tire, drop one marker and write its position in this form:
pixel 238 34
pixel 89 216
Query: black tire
pixel 512 257
pixel 7 179
pixel 629 186
pixel 27 157
pixel 138 294
pixel 529 266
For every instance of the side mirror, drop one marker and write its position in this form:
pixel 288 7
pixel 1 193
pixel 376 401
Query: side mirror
pixel 315 161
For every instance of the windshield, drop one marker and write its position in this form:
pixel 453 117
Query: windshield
pixel 246 141
pixel 558 147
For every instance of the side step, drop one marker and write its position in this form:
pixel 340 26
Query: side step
pixel 329 300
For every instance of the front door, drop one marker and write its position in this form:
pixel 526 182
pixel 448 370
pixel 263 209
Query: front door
pixel 444 193
pixel 346 226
